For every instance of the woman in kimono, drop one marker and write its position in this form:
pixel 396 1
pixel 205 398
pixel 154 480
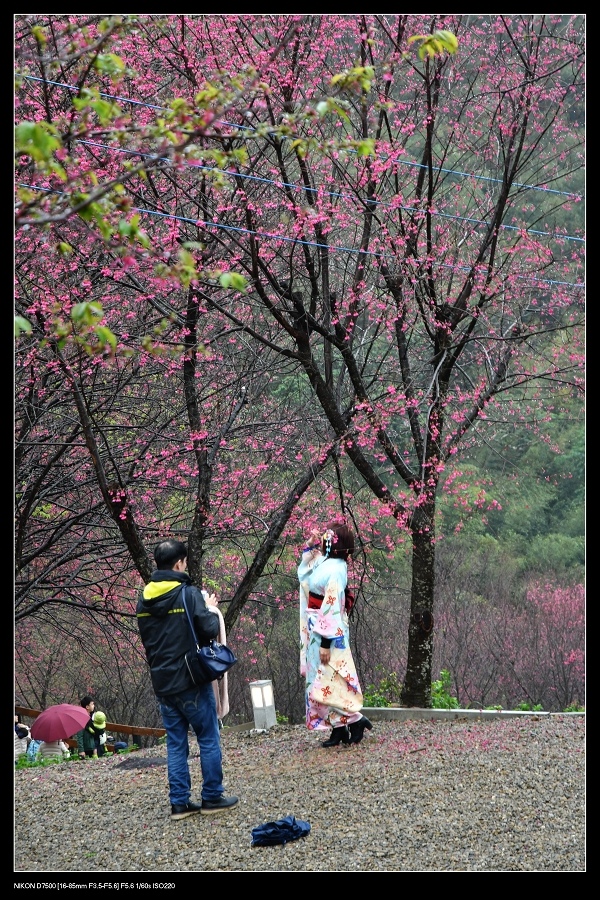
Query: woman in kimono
pixel 220 685
pixel 333 694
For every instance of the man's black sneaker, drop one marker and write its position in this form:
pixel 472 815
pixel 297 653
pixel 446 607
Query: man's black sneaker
pixel 183 810
pixel 215 806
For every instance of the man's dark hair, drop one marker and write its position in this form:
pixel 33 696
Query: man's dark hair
pixel 85 701
pixel 168 552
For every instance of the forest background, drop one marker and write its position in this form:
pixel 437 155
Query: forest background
pixel 273 271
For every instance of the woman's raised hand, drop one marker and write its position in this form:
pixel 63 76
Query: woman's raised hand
pixel 314 538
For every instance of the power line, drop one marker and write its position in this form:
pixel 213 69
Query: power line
pixel 336 194
pixel 532 187
pixel 278 237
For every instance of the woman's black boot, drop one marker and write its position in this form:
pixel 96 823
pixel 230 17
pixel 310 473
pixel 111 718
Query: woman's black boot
pixel 357 729
pixel 338 736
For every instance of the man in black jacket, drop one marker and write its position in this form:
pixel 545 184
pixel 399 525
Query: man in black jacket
pixel 166 636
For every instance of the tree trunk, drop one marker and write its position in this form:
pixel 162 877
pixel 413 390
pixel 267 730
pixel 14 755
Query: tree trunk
pixel 416 690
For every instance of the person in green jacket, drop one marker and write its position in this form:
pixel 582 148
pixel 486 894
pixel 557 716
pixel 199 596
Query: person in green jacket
pixel 99 724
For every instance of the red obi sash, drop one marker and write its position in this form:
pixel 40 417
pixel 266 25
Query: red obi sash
pixel 315 600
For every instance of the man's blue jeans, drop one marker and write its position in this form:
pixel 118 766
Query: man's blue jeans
pixel 197 708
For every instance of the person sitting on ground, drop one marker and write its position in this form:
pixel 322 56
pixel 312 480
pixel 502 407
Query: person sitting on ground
pixel 115 746
pixel 53 750
pixel 22 738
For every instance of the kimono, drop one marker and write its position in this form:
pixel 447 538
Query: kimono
pixel 333 694
pixel 220 687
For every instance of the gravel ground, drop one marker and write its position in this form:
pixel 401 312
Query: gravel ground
pixel 416 796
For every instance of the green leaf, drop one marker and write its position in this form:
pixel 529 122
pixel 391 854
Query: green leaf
pixel 86 212
pixel 365 147
pixel 104 228
pixel 87 313
pixel 186 259
pixel 109 64
pixel 449 40
pixel 232 280
pixel 105 336
pixel 331 106
pixel 360 76
pixel 22 325
pixel 105 111
pixel 39 34
pixel 238 281
pixel 436 43
pixel 36 139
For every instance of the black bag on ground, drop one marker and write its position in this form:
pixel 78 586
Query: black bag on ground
pixel 207 663
pixel 279 832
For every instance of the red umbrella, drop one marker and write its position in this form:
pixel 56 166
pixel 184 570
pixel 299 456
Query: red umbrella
pixel 57 723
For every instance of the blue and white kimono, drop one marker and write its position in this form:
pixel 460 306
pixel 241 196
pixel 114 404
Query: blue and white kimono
pixel 333 693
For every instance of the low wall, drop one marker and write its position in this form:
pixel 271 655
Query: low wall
pixel 396 713
pixel 135 731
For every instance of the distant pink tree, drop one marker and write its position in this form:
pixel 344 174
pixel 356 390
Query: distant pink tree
pixel 540 648
pixel 502 651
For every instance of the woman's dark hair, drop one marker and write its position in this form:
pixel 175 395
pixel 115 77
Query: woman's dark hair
pixel 342 545
pixel 168 552
pixel 85 701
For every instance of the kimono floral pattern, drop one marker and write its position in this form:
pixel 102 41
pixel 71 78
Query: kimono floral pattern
pixel 333 693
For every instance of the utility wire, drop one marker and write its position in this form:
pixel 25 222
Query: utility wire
pixel 532 187
pixel 335 194
pixel 279 237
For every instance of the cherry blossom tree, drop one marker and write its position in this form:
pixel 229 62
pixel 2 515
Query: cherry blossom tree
pixel 352 258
